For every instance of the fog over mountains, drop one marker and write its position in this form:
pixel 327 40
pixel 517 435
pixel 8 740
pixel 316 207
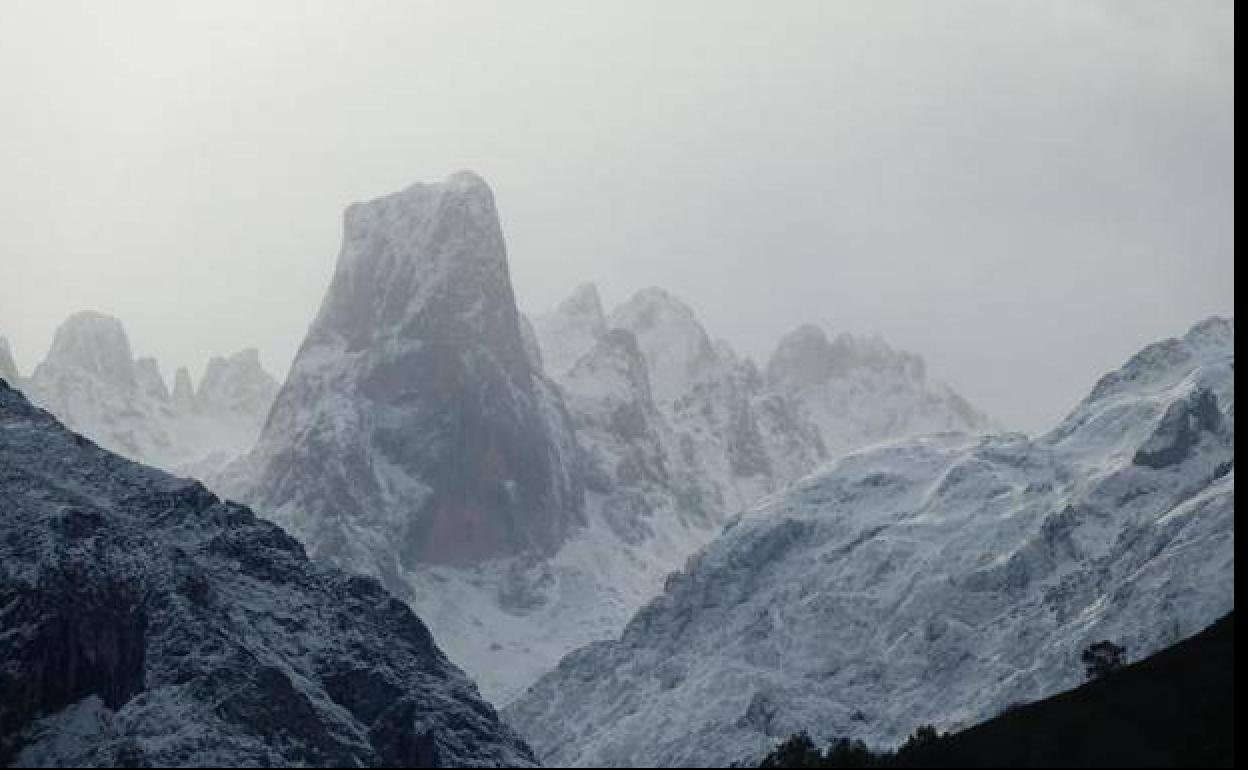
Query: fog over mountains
pixel 935 580
pixel 527 493
pixel 92 382
pixel 648 547
pixel 524 483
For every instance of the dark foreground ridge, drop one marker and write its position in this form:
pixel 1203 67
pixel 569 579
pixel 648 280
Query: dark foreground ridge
pixel 1173 709
pixel 144 622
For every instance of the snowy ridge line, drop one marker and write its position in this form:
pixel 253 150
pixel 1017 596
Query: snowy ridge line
pixel 928 581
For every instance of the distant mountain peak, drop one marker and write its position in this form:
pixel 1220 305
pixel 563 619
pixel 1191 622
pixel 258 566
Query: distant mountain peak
pixel 91 381
pixel 806 356
pixel 571 330
pixel 418 354
pixel 236 384
pixel 584 302
pixel 676 346
pixel 8 367
pixel 149 379
pixel 94 343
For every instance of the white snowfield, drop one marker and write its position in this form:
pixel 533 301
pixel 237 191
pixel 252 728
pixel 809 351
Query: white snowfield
pixel 91 381
pixel 936 580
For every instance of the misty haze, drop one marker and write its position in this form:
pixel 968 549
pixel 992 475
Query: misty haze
pixel 665 384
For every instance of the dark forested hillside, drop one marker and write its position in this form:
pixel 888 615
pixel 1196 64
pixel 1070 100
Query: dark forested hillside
pixel 1175 708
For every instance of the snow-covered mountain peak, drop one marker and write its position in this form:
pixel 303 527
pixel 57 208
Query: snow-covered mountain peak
pixel 413 412
pixel 8 367
pixel 425 263
pixel 92 344
pixel 236 384
pixel 805 356
pixel 92 383
pixel 1160 403
pixel 677 348
pixel 571 330
pixel 408 223
pixel 859 390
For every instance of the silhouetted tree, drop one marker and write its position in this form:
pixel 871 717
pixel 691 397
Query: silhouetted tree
pixel 796 751
pixel 924 748
pixel 1103 657
pixel 847 753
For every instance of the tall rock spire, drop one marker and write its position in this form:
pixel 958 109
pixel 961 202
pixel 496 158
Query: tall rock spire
pixel 412 413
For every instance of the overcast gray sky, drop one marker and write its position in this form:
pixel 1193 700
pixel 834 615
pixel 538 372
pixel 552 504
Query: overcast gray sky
pixel 1024 193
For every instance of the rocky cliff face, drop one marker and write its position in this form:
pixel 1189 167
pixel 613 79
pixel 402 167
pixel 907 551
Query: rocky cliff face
pixel 147 623
pixel 662 469
pixel 931 581
pixel 726 447
pixel 413 427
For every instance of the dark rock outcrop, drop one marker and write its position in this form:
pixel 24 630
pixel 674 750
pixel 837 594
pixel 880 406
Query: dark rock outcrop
pixel 143 621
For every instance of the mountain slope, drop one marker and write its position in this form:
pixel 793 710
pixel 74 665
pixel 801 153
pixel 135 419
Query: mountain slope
pixel 144 621
pixel 934 580
pixel 1173 709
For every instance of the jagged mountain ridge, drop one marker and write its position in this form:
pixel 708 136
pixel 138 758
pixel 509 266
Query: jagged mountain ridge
pixel 932 580
pixel 148 623
pixel 523 484
pixel 742 433
pixel 91 380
